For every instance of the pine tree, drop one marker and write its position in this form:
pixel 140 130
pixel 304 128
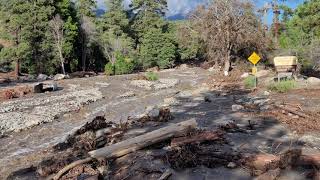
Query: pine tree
pixel 115 42
pixel 148 14
pixel 86 12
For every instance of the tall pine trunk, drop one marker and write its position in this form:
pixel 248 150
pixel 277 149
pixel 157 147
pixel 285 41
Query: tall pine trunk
pixel 17 68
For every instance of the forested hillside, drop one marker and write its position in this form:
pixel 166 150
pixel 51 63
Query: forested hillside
pixel 63 36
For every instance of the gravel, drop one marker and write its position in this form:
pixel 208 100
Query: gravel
pixel 24 113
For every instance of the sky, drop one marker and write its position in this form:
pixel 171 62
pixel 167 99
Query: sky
pixel 183 7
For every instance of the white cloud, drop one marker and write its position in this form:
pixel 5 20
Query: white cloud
pixel 174 6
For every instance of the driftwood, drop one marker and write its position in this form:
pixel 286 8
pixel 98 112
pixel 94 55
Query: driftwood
pixel 293 111
pixel 139 142
pixel 263 163
pixel 204 136
pixel 70 166
pixel 166 175
pixel 310 159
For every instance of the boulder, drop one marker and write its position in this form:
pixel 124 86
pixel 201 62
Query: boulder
pixel 38 88
pixel 59 77
pixel 152 112
pixel 237 107
pixel 51 86
pixel 42 77
pixel 313 81
pixel 266 93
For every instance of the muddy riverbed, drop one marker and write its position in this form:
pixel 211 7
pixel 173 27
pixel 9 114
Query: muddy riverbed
pixel 118 99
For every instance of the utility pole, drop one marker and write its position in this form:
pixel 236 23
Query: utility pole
pixel 276 14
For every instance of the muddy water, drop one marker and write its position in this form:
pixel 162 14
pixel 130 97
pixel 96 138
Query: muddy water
pixel 26 148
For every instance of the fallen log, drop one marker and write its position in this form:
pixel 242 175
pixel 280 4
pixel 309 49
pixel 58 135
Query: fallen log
pixel 204 136
pixel 293 111
pixel 309 159
pixel 139 142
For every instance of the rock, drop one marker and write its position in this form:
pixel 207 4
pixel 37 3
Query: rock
pixel 127 95
pixel 53 86
pixel 209 98
pixel 59 77
pixel 152 112
pixel 262 73
pixel 232 165
pixel 38 88
pixel 245 75
pixel 313 81
pixel 237 107
pixel 260 102
pixel 266 93
pixel 143 84
pixel 184 94
pixel 265 108
pixel 166 84
pixel 42 77
pixel 170 101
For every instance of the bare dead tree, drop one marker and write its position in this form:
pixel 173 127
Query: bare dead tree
pixel 87 31
pixel 226 26
pixel 56 25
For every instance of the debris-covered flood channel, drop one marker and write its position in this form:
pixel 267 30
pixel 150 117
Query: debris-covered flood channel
pixel 96 112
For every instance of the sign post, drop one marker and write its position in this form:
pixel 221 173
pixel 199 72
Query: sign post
pixel 254 59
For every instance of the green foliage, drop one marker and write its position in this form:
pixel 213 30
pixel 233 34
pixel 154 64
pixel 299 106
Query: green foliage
pixel 151 76
pixel 250 82
pixel 302 31
pixel 188 41
pixel 282 86
pixel 123 65
pixel 116 19
pixel 157 49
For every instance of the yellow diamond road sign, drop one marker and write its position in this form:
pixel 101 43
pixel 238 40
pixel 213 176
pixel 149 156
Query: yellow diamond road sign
pixel 254 58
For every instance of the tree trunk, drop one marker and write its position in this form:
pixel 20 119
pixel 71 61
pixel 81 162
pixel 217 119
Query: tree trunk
pixel 84 53
pixel 140 142
pixel 62 63
pixel 227 63
pixel 17 68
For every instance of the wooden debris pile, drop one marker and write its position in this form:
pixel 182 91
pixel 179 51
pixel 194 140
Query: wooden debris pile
pixel 269 166
pixel 104 150
pixel 296 118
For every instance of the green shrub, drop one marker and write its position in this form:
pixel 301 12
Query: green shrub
pixel 123 65
pixel 282 86
pixel 151 76
pixel 250 82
